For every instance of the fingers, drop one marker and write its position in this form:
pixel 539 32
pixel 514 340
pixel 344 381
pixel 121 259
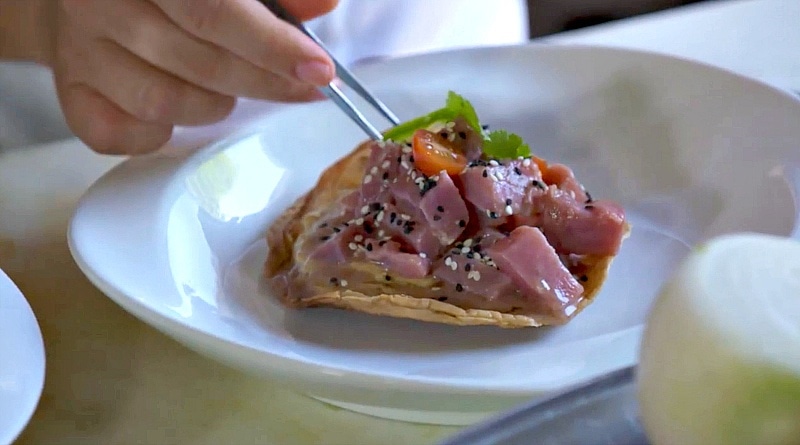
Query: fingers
pixel 146 92
pixel 247 29
pixel 106 128
pixel 144 30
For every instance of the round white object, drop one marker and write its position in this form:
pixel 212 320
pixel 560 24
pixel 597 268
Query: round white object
pixel 720 356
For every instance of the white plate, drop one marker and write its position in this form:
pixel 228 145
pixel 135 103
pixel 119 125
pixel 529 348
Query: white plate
pixel 21 361
pixel 691 151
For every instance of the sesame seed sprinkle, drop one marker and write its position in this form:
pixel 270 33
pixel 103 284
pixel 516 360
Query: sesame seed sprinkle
pixel 367 179
pixel 352 246
pixel 526 162
pixel 493 163
pixel 358 238
pixel 343 283
pixel 509 210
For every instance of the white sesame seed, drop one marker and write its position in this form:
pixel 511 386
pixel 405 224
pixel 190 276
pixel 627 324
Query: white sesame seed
pixel 385 164
pixel 450 125
pixel 405 217
pixel 343 283
pixel 374 170
pixel 367 179
pixel 358 238
pixel 451 137
pixel 381 233
pixel 526 162
pixel 488 213
pixel 477 256
pixel 468 242
pixel 414 175
pixel 405 165
pixel 572 194
pixel 509 210
pixel 359 221
pixel 465 250
pixel 453 265
pixel 423 255
pixel 493 163
pixel 471 274
pixel 352 246
pixel 379 217
pixel 476 276
pixel 406 150
pixel 365 210
pixel 435 288
pixel 447 261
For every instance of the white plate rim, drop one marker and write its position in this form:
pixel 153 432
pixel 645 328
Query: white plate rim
pixel 38 372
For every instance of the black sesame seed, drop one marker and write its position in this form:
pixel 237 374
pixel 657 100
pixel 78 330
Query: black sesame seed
pixel 325 238
pixel 462 223
pixel 508 201
pixel 440 208
pixel 437 218
pixel 388 278
pixel 468 267
pixel 584 278
pixel 485 127
pixel 459 287
pixel 408 229
pixel 399 159
pixel 323 225
pixel 442 298
pixel 368 228
pixel 385 175
pixel 476 247
pixel 588 197
pixel 517 171
pixel 588 207
pixel 493 215
pixel 470 255
pixel 334 280
pixel 337 230
pixel 411 158
pixel 392 217
pixel 462 134
pixel 369 247
pixel 485 173
pixel 382 243
pixel 443 134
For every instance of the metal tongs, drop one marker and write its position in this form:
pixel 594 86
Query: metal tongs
pixel 332 91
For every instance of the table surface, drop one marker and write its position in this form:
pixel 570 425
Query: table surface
pixel 112 379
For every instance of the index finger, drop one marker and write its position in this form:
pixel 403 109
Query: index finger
pixel 248 29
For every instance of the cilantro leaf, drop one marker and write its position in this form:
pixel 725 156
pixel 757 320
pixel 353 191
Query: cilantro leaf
pixel 461 107
pixel 455 106
pixel 501 144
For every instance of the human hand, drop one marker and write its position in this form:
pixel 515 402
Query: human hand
pixel 128 71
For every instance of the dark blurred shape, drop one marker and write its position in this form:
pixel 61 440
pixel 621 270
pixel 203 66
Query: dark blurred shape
pixel 552 16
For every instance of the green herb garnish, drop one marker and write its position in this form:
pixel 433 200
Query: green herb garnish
pixel 499 144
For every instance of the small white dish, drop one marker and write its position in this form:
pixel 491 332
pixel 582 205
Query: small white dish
pixel 22 361
pixel 691 151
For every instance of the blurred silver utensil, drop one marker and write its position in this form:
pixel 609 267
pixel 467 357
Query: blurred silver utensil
pixel 331 90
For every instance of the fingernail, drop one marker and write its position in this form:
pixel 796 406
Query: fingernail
pixel 314 72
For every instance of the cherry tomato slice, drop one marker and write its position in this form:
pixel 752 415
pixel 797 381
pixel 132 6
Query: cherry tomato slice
pixel 432 154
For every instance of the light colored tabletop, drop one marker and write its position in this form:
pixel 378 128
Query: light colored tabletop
pixel 114 380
